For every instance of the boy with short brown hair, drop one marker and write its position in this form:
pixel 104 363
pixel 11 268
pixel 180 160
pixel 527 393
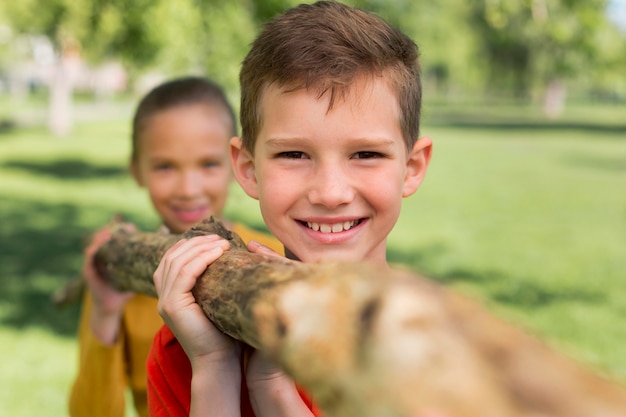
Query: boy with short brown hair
pixel 330 109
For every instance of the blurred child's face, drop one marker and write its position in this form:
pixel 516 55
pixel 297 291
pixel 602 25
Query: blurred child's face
pixel 330 182
pixel 183 162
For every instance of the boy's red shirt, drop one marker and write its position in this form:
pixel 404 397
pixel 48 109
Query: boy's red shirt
pixel 169 380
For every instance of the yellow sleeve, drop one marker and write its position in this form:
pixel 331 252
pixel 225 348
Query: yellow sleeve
pixel 248 234
pixel 99 387
pixel 141 322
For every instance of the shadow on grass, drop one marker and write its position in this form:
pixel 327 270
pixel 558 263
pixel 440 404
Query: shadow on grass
pixel 616 163
pixel 478 121
pixel 67 169
pixel 40 250
pixel 500 287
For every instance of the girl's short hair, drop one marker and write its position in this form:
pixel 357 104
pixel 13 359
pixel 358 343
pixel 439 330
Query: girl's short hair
pixel 179 92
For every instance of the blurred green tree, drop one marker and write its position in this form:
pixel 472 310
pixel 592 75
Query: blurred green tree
pixel 536 45
pixel 94 30
pixel 105 28
pixel 528 47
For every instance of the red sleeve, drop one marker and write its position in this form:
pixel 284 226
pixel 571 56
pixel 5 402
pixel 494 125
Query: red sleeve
pixel 309 403
pixel 169 377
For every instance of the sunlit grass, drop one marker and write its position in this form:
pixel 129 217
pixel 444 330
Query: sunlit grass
pixel 36 373
pixel 531 221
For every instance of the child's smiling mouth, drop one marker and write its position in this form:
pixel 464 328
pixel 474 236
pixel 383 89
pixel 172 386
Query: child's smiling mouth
pixel 191 214
pixel 332 227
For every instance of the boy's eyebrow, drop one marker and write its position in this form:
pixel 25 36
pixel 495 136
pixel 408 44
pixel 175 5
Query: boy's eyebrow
pixel 283 141
pixel 377 141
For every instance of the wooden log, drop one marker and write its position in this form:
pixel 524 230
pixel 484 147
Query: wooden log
pixel 367 341
pixel 69 293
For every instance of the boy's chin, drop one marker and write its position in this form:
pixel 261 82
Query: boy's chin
pixel 331 255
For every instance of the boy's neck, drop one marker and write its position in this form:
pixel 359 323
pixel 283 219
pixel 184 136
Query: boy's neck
pixel 290 255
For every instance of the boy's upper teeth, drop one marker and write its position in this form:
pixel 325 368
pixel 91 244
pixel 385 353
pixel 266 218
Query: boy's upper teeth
pixel 331 228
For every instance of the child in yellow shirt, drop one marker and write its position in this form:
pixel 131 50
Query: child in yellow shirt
pixel 180 154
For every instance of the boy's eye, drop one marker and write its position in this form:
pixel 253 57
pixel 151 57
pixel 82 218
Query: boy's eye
pixel 367 155
pixel 292 155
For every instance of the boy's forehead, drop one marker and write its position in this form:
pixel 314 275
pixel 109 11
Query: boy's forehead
pixel 274 91
pixel 367 112
pixel 360 90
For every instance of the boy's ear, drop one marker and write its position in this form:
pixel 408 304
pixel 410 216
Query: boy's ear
pixel 134 171
pixel 243 167
pixel 419 158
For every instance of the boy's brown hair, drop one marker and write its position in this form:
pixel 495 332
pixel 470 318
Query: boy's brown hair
pixel 324 47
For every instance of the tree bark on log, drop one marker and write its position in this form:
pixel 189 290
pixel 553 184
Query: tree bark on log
pixel 372 342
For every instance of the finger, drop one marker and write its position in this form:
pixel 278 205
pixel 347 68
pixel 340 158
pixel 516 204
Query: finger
pixel 183 251
pixel 188 252
pixel 129 227
pixel 188 273
pixel 175 293
pixel 159 272
pixel 193 261
pixel 184 245
pixel 256 247
pixel 97 240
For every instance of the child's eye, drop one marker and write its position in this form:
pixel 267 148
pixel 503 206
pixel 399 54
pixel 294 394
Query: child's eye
pixel 292 155
pixel 367 155
pixel 211 164
pixel 162 167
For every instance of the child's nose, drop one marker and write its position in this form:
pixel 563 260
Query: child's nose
pixel 190 183
pixel 330 187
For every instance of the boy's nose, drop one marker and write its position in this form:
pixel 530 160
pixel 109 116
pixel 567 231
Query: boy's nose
pixel 330 187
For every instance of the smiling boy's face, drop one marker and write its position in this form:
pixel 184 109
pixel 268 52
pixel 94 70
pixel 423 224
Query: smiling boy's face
pixel 330 182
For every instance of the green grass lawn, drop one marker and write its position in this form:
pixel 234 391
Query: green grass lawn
pixel 527 216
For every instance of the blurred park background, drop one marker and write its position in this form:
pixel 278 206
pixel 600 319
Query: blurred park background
pixel 524 206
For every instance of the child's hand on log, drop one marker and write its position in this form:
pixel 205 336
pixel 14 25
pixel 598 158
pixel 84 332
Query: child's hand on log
pixel 256 247
pixel 174 279
pixel 108 303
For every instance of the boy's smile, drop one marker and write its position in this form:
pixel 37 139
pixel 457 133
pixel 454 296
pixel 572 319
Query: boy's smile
pixel 335 232
pixel 333 228
pixel 330 182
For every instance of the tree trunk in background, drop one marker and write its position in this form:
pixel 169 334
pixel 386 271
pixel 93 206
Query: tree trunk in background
pixel 554 102
pixel 66 73
pixel 60 118
pixel 369 341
